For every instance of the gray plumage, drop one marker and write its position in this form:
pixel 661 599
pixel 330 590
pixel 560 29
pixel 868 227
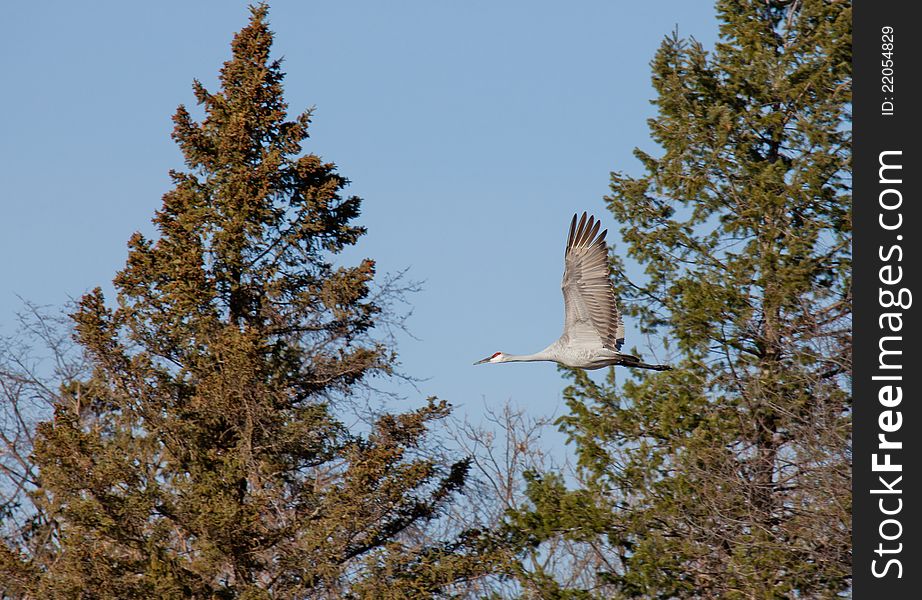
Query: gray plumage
pixel 593 331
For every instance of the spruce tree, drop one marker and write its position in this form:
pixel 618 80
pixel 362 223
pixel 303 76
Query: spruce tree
pixel 206 456
pixel 728 477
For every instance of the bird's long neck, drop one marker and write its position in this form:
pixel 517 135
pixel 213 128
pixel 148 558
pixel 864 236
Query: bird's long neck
pixel 537 356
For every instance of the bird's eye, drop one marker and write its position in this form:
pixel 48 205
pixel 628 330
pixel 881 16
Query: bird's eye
pixel 495 355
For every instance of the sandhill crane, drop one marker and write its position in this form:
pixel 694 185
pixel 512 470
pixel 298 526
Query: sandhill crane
pixel 593 331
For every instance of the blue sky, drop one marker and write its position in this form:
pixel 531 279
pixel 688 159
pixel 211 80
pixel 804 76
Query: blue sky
pixel 473 131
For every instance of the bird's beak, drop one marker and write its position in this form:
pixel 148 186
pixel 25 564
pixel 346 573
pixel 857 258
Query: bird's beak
pixel 480 362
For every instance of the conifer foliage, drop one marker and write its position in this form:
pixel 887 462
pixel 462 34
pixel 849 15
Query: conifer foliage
pixel 728 477
pixel 204 457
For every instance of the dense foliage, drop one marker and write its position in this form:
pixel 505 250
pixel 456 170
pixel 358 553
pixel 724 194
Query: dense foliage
pixel 205 455
pixel 728 477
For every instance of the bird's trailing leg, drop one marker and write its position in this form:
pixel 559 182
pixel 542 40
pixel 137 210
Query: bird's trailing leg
pixel 628 360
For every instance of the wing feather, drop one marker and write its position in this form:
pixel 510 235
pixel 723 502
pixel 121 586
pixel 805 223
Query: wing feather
pixel 591 312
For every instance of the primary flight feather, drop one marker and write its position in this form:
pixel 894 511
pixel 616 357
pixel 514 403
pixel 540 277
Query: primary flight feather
pixel 593 331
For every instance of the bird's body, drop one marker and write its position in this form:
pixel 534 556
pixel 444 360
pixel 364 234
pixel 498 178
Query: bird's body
pixel 593 331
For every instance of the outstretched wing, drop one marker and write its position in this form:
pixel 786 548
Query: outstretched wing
pixel 589 299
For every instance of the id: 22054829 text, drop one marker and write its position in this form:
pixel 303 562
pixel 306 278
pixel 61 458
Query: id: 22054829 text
pixel 886 70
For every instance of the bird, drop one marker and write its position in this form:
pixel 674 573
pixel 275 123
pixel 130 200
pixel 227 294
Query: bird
pixel 593 331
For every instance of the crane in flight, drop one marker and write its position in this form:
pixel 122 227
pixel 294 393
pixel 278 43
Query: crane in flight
pixel 593 331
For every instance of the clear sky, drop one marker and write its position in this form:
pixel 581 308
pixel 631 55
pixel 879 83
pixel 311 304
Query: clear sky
pixel 473 130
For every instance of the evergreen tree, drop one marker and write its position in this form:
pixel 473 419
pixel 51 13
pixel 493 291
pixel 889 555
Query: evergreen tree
pixel 728 477
pixel 205 456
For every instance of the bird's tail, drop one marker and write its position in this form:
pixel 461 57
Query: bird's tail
pixel 632 361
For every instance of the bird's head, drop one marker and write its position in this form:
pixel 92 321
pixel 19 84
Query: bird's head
pixel 494 358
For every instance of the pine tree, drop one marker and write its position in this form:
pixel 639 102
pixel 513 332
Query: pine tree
pixel 728 477
pixel 206 457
